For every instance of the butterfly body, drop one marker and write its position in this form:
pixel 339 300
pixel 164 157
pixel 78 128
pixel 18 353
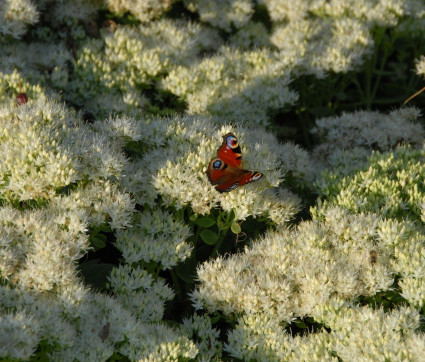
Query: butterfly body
pixel 225 171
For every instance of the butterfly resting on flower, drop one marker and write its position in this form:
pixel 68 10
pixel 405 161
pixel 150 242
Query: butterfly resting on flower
pixel 226 170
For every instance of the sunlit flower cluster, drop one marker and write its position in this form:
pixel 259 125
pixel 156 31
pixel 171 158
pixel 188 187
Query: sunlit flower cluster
pixel 71 173
pixel 234 85
pixel 371 12
pixel 318 46
pixel 144 10
pixel 111 72
pixel 44 147
pixel 101 233
pixel 179 153
pixel 356 333
pixel 287 273
pixel 365 333
pixel 259 337
pixel 389 184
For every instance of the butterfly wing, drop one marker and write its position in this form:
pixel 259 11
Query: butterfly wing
pixel 230 151
pixel 225 170
pixel 237 178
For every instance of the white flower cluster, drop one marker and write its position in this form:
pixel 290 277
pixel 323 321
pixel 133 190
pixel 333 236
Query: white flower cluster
pixel 16 15
pixel 371 12
pixel 40 247
pixel 389 184
pixel 252 35
pixel 180 149
pixel 223 14
pixel 259 337
pixel 200 329
pixel 320 36
pixel 44 147
pixel 71 169
pixel 111 72
pixel 234 85
pixel 18 336
pixel 352 136
pixel 286 274
pixel 144 10
pixel 357 333
pixel 154 237
pixel 139 292
pixel 318 46
pixel 58 12
pixel 83 326
pixel 364 333
pixel 420 66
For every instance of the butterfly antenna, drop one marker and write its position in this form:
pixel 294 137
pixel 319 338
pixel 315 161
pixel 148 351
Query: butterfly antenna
pixel 414 95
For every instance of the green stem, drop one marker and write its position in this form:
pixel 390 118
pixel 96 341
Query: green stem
pixel 222 233
pixel 371 68
pixel 359 89
pixel 379 76
pixel 219 242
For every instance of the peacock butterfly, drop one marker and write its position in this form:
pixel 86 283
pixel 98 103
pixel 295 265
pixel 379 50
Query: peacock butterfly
pixel 225 170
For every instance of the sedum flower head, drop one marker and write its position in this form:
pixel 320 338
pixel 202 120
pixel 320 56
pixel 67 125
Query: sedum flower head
pixel 223 14
pixel 45 147
pixel 69 11
pixel 155 237
pixel 40 247
pixel 181 148
pixel 234 85
pixel 19 336
pixel 139 293
pixel 111 71
pixel 143 10
pixel 287 273
pixel 200 329
pixel 319 45
pixel 261 338
pixel 16 15
pixel 388 184
pixel 364 131
pixel 251 35
pixel 363 333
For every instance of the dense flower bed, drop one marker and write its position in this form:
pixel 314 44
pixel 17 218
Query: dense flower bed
pixel 114 244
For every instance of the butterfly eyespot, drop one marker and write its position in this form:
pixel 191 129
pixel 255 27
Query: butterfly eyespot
pixel 256 176
pixel 232 142
pixel 217 164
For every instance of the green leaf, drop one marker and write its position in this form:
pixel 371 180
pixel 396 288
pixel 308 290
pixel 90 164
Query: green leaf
pixel 205 222
pixel 95 272
pixel 209 237
pixel 300 324
pixel 98 241
pixel 236 228
pixel 193 217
